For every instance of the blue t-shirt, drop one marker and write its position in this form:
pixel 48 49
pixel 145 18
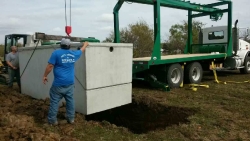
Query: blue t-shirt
pixel 63 61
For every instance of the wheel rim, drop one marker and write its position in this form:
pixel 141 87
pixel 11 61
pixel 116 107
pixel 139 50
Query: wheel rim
pixel 248 65
pixel 196 74
pixel 175 75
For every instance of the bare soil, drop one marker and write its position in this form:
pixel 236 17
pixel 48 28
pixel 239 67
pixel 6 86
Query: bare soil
pixel 220 112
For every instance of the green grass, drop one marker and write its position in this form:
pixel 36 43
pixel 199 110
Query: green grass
pixel 220 112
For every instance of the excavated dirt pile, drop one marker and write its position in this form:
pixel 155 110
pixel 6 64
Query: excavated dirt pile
pixel 23 118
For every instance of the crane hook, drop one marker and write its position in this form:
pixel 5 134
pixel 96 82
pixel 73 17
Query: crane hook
pixel 68 29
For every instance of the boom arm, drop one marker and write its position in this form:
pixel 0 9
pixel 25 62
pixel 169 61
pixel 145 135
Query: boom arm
pixel 44 36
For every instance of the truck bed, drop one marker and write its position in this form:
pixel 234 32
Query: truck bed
pixel 185 57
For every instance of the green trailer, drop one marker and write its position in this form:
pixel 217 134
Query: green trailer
pixel 172 70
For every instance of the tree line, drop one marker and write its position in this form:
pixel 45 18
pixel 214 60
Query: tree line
pixel 142 37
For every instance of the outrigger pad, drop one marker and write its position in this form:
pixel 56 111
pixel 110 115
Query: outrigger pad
pixel 157 84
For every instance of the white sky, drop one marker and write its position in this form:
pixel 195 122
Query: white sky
pixel 94 18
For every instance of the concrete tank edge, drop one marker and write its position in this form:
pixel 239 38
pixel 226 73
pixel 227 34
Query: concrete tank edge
pixel 76 45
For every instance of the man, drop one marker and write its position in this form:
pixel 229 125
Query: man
pixel 12 60
pixel 62 62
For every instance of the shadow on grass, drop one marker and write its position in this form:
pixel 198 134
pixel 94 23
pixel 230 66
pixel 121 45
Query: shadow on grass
pixel 223 73
pixel 141 84
pixel 141 118
pixel 209 76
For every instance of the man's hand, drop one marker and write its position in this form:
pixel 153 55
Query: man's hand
pixel 47 71
pixel 85 44
pixel 10 65
pixel 44 80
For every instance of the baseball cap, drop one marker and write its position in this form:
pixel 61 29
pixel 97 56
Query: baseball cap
pixel 65 41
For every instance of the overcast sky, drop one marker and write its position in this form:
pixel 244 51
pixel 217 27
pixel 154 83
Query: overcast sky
pixel 95 17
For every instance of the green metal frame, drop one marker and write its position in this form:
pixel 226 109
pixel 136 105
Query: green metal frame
pixel 187 59
pixel 153 70
pixel 204 9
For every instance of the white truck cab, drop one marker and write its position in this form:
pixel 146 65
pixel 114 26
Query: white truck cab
pixel 241 48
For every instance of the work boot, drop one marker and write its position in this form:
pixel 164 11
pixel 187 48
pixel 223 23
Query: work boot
pixel 68 120
pixel 71 121
pixel 53 124
pixel 19 88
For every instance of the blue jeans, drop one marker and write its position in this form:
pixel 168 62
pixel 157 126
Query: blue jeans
pixel 56 94
pixel 12 74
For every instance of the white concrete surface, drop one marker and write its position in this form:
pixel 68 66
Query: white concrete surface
pixel 104 68
pixel 102 78
pixel 96 100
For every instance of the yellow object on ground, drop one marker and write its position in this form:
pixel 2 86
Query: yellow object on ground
pixel 197 85
pixel 182 80
pixel 193 86
pixel 1 64
pixel 225 82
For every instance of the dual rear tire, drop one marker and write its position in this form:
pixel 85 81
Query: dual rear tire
pixel 192 73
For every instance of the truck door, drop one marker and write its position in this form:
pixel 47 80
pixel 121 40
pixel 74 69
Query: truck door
pixel 7 45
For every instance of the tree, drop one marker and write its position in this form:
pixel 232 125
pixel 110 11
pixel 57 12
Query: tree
pixel 140 34
pixel 1 50
pixel 244 34
pixel 179 35
pixel 1 53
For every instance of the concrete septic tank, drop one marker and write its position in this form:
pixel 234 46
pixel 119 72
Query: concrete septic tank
pixel 103 75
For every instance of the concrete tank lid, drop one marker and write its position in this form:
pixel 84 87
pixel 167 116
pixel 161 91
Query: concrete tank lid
pixel 76 45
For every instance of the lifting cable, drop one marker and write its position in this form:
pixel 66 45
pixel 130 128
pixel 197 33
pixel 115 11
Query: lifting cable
pixel 53 47
pixel 30 58
pixel 68 29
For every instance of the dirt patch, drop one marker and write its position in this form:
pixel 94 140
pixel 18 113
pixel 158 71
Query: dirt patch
pixel 24 118
pixel 218 113
pixel 140 118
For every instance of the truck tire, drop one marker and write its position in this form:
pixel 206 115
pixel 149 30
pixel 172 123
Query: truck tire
pixel 174 75
pixel 4 79
pixel 246 69
pixel 193 73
